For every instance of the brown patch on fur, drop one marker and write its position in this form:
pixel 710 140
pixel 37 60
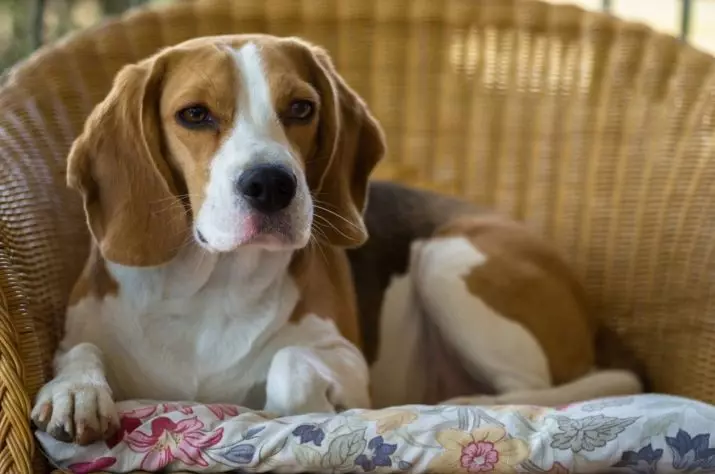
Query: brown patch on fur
pixel 95 280
pixel 525 280
pixel 326 288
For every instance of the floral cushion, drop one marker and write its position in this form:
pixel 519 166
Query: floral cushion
pixel 640 434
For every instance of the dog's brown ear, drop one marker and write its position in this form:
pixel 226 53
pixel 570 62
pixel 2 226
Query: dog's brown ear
pixel 350 144
pixel 130 198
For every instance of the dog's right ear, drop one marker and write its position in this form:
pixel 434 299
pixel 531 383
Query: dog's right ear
pixel 117 164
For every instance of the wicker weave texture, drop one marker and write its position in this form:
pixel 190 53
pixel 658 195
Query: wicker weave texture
pixel 598 132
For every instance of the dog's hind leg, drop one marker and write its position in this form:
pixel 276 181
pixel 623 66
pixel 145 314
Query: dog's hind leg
pixel 496 347
pixel 492 348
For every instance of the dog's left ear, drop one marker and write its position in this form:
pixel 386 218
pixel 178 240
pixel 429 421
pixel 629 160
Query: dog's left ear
pixel 118 165
pixel 350 144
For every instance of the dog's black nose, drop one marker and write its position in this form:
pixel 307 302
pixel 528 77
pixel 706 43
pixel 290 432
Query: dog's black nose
pixel 267 188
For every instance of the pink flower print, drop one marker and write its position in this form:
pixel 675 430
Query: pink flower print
pixel 183 408
pixel 486 449
pixel 222 411
pixel 479 457
pixel 141 413
pixel 127 424
pixel 99 464
pixel 168 441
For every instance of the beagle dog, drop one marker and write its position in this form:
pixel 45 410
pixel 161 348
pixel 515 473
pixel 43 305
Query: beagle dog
pixel 224 182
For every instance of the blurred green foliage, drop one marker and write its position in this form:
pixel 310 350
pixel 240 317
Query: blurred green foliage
pixel 27 24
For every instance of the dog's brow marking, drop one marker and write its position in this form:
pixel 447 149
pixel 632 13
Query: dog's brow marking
pixel 255 102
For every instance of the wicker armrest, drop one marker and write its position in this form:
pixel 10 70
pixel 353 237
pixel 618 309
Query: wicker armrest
pixel 16 441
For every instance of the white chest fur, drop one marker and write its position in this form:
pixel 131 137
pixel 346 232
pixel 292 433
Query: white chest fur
pixel 201 328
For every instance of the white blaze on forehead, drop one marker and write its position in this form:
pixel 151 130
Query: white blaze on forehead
pixel 255 103
pixel 255 137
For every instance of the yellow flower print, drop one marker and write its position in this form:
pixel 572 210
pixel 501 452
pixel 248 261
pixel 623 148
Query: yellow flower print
pixel 483 450
pixel 390 419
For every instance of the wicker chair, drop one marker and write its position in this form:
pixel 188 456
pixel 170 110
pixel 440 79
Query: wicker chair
pixel 600 133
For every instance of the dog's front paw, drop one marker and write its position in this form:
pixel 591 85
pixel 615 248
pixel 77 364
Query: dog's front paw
pixel 76 412
pixel 299 383
pixel 285 400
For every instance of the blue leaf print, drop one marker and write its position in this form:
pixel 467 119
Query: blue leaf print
pixel 250 434
pixel 240 453
pixel 309 434
pixel 645 461
pixel 380 457
pixel 365 463
pixel 375 442
pixel 691 453
pixel 701 442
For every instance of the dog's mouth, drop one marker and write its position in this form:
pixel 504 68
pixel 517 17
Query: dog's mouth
pixel 200 237
pixel 271 232
pixel 274 232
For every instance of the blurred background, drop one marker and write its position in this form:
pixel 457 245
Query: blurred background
pixel 27 24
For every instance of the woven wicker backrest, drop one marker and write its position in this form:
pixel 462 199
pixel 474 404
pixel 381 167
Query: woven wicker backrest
pixel 598 132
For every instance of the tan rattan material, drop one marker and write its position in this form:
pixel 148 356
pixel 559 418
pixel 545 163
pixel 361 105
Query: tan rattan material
pixel 598 132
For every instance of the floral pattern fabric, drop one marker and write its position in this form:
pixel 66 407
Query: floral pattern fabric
pixel 634 435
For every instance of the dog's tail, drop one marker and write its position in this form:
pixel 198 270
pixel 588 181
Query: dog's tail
pixel 595 385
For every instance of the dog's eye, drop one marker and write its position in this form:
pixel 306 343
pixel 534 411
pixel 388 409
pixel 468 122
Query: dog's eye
pixel 195 116
pixel 299 111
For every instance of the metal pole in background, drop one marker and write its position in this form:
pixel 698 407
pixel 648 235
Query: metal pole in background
pixel 686 13
pixel 38 24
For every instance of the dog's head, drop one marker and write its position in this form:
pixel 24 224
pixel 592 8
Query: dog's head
pixel 230 141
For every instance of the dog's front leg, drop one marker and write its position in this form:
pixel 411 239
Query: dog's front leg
pixel 324 377
pixel 77 405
